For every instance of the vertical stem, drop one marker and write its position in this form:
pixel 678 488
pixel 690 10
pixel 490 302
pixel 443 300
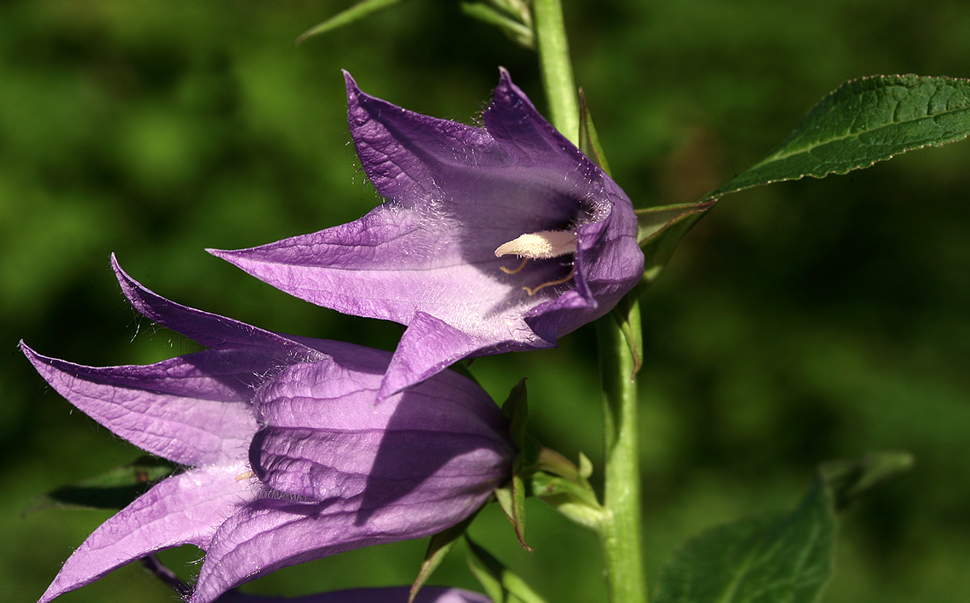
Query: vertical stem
pixel 557 70
pixel 619 349
pixel 620 534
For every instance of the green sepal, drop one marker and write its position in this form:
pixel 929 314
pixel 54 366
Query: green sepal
pixel 589 142
pixel 565 487
pixel 356 12
pixel 114 489
pixel 864 121
pixel 516 410
pixel 500 583
pixel 511 496
pixel 438 548
pixel 774 558
pixel 627 317
pixel 571 500
pixel 513 17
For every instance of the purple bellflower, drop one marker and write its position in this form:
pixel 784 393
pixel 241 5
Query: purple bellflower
pixel 288 457
pixel 492 239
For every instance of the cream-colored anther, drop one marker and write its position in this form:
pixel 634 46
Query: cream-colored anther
pixel 540 245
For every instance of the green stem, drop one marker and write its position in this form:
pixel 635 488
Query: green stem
pixel 619 349
pixel 557 70
pixel 620 532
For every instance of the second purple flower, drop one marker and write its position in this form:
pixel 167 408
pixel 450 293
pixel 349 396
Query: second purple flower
pixel 287 456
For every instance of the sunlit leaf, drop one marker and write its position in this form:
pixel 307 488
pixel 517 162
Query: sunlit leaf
pixel 862 122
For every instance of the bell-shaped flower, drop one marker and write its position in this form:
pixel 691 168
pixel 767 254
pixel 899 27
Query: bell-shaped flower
pixel 330 470
pixel 491 239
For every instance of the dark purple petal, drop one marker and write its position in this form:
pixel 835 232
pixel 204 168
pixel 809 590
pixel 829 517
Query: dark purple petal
pixel 183 509
pixel 194 409
pixel 426 257
pixel 270 534
pixel 390 594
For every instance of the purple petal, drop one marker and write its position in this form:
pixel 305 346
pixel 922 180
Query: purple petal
pixel 210 330
pixel 192 410
pixel 332 394
pixel 391 594
pixel 270 534
pixel 183 509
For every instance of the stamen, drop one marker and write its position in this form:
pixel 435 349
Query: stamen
pixel 245 475
pixel 541 245
pixel 568 278
pixel 517 270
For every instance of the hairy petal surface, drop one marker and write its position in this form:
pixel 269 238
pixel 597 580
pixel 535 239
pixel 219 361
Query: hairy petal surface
pixel 426 257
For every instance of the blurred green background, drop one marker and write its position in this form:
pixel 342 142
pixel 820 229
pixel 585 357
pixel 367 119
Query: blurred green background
pixel 797 323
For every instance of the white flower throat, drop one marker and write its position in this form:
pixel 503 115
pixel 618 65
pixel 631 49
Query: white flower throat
pixel 542 245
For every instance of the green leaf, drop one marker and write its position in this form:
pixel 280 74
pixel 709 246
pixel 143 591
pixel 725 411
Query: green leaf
pixel 114 489
pixel 783 558
pixel 862 122
pixel 348 16
pixel 660 230
pixel 501 584
pixel 515 24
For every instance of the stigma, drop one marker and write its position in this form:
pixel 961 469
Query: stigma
pixel 542 245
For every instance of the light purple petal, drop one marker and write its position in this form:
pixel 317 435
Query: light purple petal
pixel 271 534
pixel 426 259
pixel 194 409
pixel 183 509
pixel 390 594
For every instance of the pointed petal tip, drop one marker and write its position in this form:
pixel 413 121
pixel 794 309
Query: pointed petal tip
pixel 353 90
pixel 33 357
